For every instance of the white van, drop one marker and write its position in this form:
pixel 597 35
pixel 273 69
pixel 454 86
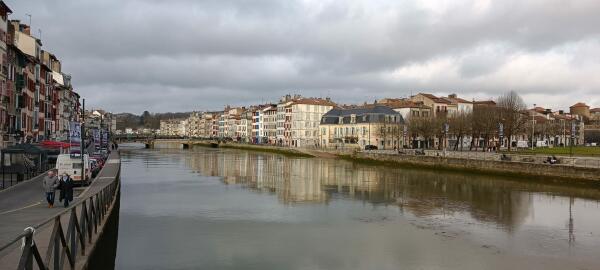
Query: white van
pixel 65 163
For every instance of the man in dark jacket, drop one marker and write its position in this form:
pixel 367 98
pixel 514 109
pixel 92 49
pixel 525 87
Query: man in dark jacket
pixel 50 183
pixel 66 189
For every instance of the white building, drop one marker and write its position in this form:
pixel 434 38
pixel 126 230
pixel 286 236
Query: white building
pixel 269 124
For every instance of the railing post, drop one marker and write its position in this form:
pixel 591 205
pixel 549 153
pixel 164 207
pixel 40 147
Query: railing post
pixel 71 235
pixel 83 221
pixel 26 261
pixel 57 244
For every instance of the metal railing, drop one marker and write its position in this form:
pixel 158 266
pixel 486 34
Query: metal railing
pixel 11 177
pixel 80 232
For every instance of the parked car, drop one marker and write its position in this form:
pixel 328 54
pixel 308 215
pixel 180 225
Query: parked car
pixel 370 147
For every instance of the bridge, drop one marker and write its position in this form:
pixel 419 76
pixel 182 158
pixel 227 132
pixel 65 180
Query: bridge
pixel 147 139
pixel 35 236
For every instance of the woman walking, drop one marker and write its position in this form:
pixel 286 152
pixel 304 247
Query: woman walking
pixel 66 191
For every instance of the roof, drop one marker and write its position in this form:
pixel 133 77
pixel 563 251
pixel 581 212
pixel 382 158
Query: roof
pixel 5 7
pixel 313 101
pixel 406 104
pixel 485 102
pixel 580 104
pixel 595 110
pixel 364 114
pixel 434 98
pixel 456 100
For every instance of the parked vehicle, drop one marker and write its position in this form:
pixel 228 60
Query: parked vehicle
pixel 522 144
pixel 71 164
pixel 370 147
pixel 95 167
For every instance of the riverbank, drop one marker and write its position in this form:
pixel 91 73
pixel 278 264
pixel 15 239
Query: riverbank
pixel 269 149
pixel 527 171
pixel 530 171
pixel 581 151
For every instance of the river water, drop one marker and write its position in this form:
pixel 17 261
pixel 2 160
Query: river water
pixel 230 209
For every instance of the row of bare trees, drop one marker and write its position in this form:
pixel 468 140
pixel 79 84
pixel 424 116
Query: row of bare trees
pixel 483 123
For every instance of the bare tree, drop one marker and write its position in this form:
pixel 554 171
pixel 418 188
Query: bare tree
pixel 460 125
pixel 484 125
pixel 511 113
pixel 424 127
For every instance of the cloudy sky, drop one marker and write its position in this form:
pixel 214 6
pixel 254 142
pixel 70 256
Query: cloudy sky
pixel 183 55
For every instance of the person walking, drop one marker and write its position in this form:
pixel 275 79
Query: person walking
pixel 66 189
pixel 50 183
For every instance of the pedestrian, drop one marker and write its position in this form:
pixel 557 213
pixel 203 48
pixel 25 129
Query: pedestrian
pixel 66 189
pixel 50 183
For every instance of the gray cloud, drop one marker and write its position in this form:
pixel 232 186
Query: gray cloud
pixel 183 54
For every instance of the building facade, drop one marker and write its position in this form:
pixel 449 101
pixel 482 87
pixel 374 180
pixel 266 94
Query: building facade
pixel 371 125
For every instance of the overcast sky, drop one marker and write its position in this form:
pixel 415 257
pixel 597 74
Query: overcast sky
pixel 183 55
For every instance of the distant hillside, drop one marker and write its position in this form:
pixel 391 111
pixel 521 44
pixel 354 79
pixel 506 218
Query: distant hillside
pixel 146 120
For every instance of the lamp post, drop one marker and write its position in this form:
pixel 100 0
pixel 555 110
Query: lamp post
pixel 446 128
pixel 533 125
pixel 82 142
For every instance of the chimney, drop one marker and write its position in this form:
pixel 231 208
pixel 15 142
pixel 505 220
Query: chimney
pixel 452 96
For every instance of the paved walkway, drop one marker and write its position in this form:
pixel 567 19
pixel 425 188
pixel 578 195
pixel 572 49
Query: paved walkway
pixel 24 205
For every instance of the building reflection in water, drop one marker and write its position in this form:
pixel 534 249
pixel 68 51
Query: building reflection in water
pixel 422 193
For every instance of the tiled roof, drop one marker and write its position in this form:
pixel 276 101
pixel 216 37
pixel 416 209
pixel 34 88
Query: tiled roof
pixel 434 98
pixel 580 104
pixel 595 110
pixel 313 101
pixel 485 102
pixel 406 104
pixel 456 100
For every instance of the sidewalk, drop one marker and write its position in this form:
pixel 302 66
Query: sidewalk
pixel 23 205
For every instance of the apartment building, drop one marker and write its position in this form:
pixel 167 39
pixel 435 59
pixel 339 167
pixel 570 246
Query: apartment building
pixel 269 124
pixel 439 106
pixel 358 127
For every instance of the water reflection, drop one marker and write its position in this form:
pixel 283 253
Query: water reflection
pixel 422 193
pixel 227 209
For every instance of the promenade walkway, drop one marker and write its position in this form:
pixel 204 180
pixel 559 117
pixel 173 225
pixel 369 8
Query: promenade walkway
pixel 24 205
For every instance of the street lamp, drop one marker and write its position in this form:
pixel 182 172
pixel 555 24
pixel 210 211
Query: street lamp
pixel 533 125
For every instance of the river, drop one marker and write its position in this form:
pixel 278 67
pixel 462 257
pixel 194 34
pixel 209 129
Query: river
pixel 206 208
